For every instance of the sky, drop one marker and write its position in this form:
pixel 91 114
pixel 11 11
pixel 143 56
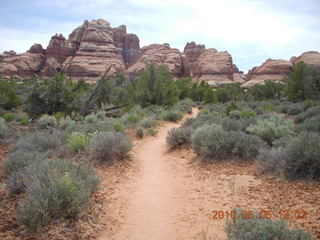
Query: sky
pixel 250 30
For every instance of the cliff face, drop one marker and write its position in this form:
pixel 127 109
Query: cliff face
pixel 95 46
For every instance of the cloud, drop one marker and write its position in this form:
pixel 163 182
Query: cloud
pixel 251 30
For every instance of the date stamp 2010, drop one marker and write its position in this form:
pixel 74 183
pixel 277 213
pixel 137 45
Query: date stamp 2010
pixel 262 214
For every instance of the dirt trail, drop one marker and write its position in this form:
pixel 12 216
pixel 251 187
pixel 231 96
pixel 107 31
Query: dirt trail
pixel 172 196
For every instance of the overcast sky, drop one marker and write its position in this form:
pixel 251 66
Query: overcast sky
pixel 251 30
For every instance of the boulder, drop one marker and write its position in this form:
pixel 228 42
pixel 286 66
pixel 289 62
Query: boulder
pixel 161 55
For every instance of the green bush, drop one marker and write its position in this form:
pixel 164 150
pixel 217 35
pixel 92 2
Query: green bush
pixel 47 121
pixel 260 228
pixel 295 109
pixel 101 115
pixel 148 123
pixel 283 108
pixel 311 112
pixel 9 117
pixel 179 136
pixel 66 123
pixel 91 119
pixel 310 124
pixel 212 141
pixel 235 114
pixel 172 115
pixel 231 107
pixel 139 132
pixel 130 119
pixel 3 128
pixel 246 146
pixel 153 132
pixel 248 114
pixel 20 159
pixel 110 145
pixel 39 141
pixel 78 142
pixel 185 106
pixel 56 189
pixel 8 95
pixel 309 104
pixel 272 127
pixel 118 127
pixel 299 158
pixel 59 115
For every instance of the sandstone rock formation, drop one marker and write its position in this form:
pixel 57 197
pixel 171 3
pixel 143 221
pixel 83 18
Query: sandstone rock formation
pixel 57 52
pixel 23 65
pixel 95 53
pixel 193 51
pixel 272 69
pixel 214 67
pixel 161 54
pixel 128 44
pixel 312 58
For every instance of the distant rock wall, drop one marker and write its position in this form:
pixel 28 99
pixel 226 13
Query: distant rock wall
pixel 95 46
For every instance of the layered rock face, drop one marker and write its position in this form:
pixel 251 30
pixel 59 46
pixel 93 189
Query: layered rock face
pixel 192 52
pixel 214 67
pixel 161 54
pixel 272 69
pixel 96 52
pixel 311 58
pixel 23 65
pixel 89 51
pixel 128 44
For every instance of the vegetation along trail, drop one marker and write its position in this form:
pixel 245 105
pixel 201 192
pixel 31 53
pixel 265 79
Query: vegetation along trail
pixel 168 198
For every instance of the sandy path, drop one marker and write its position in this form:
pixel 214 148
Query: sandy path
pixel 152 208
pixel 172 195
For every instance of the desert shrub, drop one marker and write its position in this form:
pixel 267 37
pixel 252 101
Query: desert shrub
pixel 100 126
pixel 260 228
pixel 309 104
pixel 172 115
pixel 59 115
pixel 91 119
pixel 235 114
pixel 101 115
pixel 248 114
pixel 310 124
pixel 265 108
pixel 55 189
pixel 311 112
pixel 110 145
pixel 283 108
pixel 66 122
pixel 130 119
pixel 202 119
pixel 3 128
pixel 295 109
pixel 272 127
pixel 118 127
pixel 185 105
pixel 139 132
pixel 153 132
pixel 47 121
pixel 179 136
pixel 246 146
pixel 8 95
pixel 231 124
pixel 20 159
pixel 39 141
pixel 8 117
pixel 230 107
pixel 148 123
pixel 77 141
pixel 299 158
pixel 212 141
pixel 155 111
pixel 24 121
